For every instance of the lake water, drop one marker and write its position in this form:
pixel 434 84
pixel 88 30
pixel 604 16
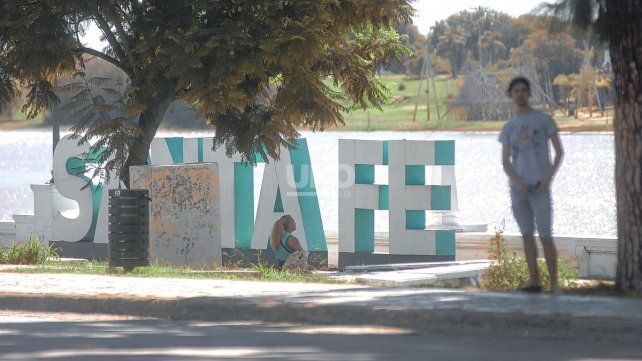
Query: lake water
pixel 583 191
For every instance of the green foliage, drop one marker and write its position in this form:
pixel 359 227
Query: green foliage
pixel 491 47
pixel 29 253
pixel 508 271
pixel 582 85
pixel 105 120
pixel 222 55
pixel 551 54
pixel 481 35
pixel 271 273
pixel 452 46
pixel 416 42
pixel 491 38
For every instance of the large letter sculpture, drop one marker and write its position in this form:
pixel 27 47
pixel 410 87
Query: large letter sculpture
pixel 407 197
pixel 72 169
pixel 287 188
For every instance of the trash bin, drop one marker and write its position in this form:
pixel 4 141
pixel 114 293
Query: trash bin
pixel 128 228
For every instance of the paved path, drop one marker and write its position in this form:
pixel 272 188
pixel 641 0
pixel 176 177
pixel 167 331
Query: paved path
pixel 419 308
pixel 41 336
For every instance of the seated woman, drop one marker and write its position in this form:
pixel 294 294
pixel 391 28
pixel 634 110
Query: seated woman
pixel 282 241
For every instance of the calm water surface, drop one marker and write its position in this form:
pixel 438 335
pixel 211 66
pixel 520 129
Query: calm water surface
pixel 583 191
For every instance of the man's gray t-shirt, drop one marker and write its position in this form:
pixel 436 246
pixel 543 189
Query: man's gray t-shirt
pixel 528 135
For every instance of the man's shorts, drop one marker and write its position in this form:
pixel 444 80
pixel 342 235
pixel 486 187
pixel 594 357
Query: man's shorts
pixel 536 208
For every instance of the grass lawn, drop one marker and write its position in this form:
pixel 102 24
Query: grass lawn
pixel 21 123
pixel 256 272
pixel 18 120
pixel 33 257
pixel 398 115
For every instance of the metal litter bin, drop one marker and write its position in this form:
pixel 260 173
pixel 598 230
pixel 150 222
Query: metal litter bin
pixel 128 228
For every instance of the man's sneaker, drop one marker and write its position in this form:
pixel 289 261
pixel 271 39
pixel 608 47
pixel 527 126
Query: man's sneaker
pixel 531 289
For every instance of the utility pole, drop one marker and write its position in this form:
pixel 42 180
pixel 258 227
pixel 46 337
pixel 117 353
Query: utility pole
pixel 430 80
pixel 56 128
pixel 421 81
pixel 427 70
pixel 434 89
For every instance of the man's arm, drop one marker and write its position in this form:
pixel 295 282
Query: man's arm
pixel 559 155
pixel 508 168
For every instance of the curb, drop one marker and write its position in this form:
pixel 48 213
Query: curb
pixel 268 310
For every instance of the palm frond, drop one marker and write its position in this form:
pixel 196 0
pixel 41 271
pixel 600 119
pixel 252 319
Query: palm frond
pixel 105 108
pixel 75 104
pixel 83 94
pixel 41 96
pixel 8 89
pixel 99 100
pixel 103 123
pixel 82 111
pixel 74 87
pixel 112 92
pixel 98 81
pixel 581 13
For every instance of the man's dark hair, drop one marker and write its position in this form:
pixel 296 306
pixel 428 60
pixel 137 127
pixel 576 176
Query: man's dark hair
pixel 519 79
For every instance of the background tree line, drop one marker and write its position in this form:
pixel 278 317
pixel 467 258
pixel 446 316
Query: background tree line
pixel 486 38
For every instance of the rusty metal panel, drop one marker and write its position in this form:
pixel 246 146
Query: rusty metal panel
pixel 184 225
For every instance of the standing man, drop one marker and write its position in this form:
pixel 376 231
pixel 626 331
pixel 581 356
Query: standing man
pixel 527 162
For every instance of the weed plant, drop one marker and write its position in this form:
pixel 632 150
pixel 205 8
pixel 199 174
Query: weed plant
pixel 509 271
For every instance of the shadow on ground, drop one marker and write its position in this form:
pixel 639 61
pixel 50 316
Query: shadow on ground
pixel 39 336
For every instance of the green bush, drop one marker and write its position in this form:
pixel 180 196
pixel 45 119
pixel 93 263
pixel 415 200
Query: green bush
pixel 510 271
pixel 31 252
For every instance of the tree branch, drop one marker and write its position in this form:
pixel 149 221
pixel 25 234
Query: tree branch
pixel 111 38
pixel 105 57
pixel 123 36
pixel 115 18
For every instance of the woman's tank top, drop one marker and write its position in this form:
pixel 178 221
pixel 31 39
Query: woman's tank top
pixel 283 252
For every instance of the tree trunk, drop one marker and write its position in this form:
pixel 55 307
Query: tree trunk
pixel 626 54
pixel 150 120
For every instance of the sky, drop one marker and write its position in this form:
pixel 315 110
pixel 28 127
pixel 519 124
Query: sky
pixel 430 11
pixel 427 13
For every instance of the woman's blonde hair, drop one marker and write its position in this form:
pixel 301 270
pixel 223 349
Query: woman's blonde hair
pixel 278 230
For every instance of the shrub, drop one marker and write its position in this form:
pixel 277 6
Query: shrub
pixel 401 86
pixel 31 252
pixel 510 271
